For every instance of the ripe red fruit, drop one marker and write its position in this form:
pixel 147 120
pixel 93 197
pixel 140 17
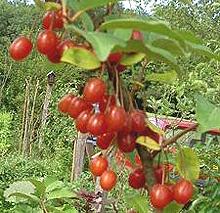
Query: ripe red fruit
pixel 94 90
pixel 97 124
pixel 120 68
pixel 183 191
pixel 127 127
pixel 53 20
pixel 171 188
pixel 116 118
pixel 108 180
pixel 47 42
pixel 82 120
pixel 137 179
pixel 65 45
pixel 138 120
pixel 126 142
pixel 104 141
pixel 64 103
pixel 103 103
pixel 160 196
pixel 137 35
pixel 20 48
pixel 54 57
pixel 78 105
pixel 98 165
pixel 158 173
pixel 114 58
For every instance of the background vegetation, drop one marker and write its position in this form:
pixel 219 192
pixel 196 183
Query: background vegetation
pixel 172 98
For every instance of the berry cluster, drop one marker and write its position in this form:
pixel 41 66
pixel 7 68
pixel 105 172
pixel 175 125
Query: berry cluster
pixel 48 42
pixel 162 194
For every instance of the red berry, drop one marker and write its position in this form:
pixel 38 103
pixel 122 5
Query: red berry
pixel 116 118
pixel 94 90
pixel 78 105
pixel 64 103
pixel 54 57
pixel 158 173
pixel 127 127
pixel 65 45
pixel 104 141
pixel 137 35
pixel 20 48
pixel 137 179
pixel 160 196
pixel 126 142
pixel 53 20
pixel 97 124
pixel 98 166
pixel 115 58
pixel 120 68
pixel 183 191
pixel 138 120
pixel 103 103
pixel 82 120
pixel 47 42
pixel 108 180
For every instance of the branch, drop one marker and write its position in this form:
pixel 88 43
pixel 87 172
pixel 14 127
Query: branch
pixel 175 138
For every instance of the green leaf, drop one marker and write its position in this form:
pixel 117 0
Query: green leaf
pixel 85 18
pixel 133 58
pixel 52 6
pixel 137 202
pixel 39 3
pixel 124 34
pixel 88 4
pixel 54 186
pixel 103 43
pixel 148 142
pixel 39 186
pixel 152 53
pixel 170 45
pixel 24 187
pixel 158 27
pixel 61 193
pixel 207 114
pixel 188 36
pixel 173 207
pixel 167 77
pixel 82 58
pixel 25 196
pixel 203 50
pixel 187 164
pixel 49 180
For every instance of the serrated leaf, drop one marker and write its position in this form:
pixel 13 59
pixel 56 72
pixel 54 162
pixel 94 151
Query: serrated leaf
pixel 138 202
pixel 167 77
pixel 207 114
pixel 148 142
pixel 82 58
pixel 39 186
pixel 173 207
pixel 61 193
pixel 24 187
pixel 187 164
pixel 133 58
pixel 52 6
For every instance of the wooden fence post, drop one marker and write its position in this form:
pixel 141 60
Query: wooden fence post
pixel 50 82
